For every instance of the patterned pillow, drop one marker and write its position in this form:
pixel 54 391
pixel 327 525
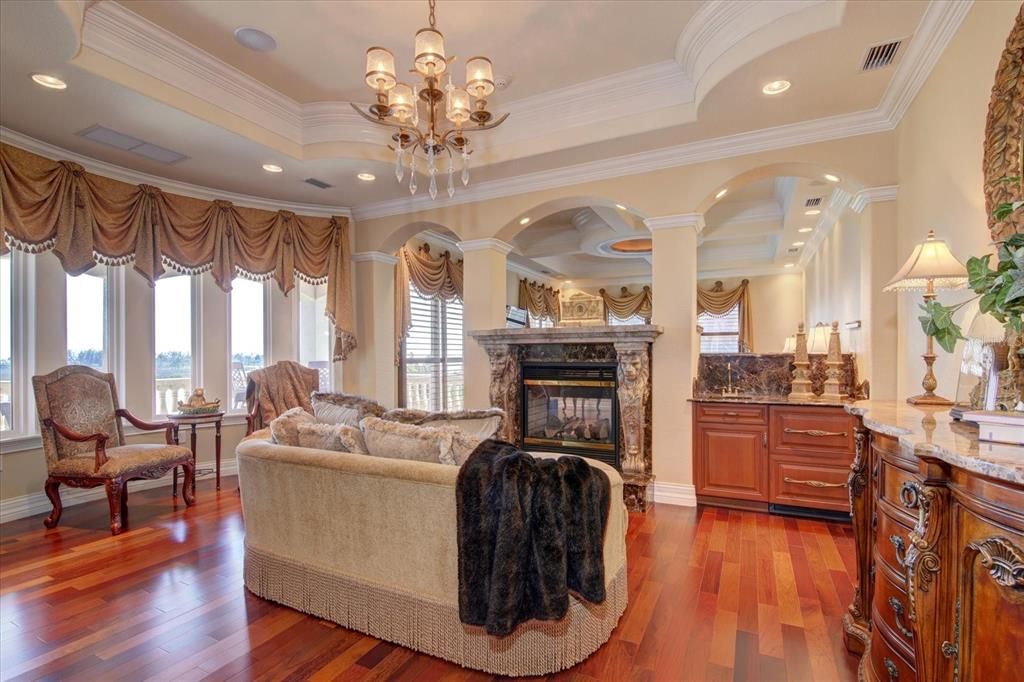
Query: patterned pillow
pixel 337 437
pixel 284 429
pixel 442 444
pixel 343 408
pixel 481 424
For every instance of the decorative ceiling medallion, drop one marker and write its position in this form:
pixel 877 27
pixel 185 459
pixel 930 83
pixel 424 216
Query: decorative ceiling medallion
pixel 398 106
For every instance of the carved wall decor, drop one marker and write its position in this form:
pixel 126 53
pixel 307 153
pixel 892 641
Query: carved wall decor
pixel 921 561
pixel 504 389
pixel 634 379
pixel 1003 135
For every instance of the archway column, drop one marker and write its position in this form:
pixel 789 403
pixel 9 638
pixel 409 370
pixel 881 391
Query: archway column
pixel 674 361
pixel 484 299
pixel 371 370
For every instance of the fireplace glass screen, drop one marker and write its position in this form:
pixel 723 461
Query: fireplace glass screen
pixel 570 413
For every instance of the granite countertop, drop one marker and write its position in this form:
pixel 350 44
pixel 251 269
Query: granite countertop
pixel 764 400
pixel 931 432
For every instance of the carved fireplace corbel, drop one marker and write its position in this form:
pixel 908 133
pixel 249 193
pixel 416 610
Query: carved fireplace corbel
pixel 634 379
pixel 505 375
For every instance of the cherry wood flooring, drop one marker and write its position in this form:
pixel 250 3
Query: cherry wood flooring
pixel 713 594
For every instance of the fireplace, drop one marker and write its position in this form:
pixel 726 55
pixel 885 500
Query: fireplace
pixel 571 408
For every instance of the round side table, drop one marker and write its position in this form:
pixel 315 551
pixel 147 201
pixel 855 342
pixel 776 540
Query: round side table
pixel 194 420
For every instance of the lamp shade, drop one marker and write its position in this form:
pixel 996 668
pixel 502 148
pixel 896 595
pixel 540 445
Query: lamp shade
pixel 430 59
pixel 930 263
pixel 457 106
pixel 479 77
pixel 790 344
pixel 817 338
pixel 400 99
pixel 380 68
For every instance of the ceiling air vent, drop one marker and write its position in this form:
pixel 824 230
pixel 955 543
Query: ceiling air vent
pixel 112 138
pixel 813 203
pixel 880 56
pixel 319 184
pixel 792 250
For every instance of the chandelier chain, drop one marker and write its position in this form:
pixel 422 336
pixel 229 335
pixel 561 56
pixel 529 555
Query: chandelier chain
pixel 433 19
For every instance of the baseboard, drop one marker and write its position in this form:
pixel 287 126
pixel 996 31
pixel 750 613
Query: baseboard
pixel 679 494
pixel 19 507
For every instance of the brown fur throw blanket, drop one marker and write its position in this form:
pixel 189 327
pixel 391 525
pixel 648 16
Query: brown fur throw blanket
pixel 276 389
pixel 529 531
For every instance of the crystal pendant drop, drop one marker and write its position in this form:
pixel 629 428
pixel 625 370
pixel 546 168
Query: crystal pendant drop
pixel 451 178
pixel 433 186
pixel 399 169
pixel 465 167
pixel 412 173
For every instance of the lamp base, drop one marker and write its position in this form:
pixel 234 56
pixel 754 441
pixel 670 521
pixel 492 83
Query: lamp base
pixel 929 399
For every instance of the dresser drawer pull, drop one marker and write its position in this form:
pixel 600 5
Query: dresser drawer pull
pixel 815 484
pixel 897 543
pixel 732 414
pixel 815 432
pixel 897 609
pixel 890 667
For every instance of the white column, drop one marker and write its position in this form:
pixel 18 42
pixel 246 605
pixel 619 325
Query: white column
pixel 484 299
pixel 371 369
pixel 674 362
pixel 879 260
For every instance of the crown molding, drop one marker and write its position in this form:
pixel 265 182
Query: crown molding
pixel 374 257
pixel 872 195
pixel 749 271
pixel 694 220
pixel 134 177
pixel 488 244
pixel 527 271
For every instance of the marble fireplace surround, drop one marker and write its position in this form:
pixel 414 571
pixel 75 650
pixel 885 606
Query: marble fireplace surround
pixel 627 346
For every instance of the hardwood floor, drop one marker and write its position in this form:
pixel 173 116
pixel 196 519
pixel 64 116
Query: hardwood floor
pixel 714 594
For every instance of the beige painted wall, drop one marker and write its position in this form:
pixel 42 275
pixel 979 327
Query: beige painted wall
pixel 939 143
pixel 778 307
pixel 833 280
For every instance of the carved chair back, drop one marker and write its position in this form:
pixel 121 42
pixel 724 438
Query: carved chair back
pixel 81 399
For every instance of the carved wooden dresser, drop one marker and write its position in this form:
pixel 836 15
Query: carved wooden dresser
pixel 939 523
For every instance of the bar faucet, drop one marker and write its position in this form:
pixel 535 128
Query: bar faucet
pixel 730 392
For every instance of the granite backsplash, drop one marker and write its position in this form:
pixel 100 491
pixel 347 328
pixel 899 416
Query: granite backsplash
pixel 769 374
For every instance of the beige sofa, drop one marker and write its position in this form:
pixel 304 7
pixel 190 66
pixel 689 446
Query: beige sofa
pixel 370 543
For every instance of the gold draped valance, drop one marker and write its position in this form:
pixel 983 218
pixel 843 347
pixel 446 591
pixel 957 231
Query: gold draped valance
pixel 439 278
pixel 626 305
pixel 87 219
pixel 539 300
pixel 717 301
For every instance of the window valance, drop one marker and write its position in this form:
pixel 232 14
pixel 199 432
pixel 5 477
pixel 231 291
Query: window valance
pixel 717 301
pixel 539 301
pixel 433 277
pixel 626 305
pixel 87 219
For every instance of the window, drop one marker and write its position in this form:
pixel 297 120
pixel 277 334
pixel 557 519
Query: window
pixel 17 345
pixel 721 333
pixel 248 350
pixel 87 335
pixel 314 331
pixel 432 371
pixel 540 322
pixel 6 344
pixel 174 345
pixel 633 319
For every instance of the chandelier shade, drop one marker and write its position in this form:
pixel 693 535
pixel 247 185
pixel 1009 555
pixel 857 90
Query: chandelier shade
pixel 430 59
pixel 457 107
pixel 479 77
pixel 380 68
pixel 400 100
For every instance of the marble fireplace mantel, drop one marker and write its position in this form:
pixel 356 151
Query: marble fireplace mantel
pixel 629 346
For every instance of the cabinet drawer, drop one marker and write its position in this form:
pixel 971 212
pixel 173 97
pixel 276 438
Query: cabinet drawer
pixel 892 478
pixel 887 663
pixel 804 484
pixel 732 414
pixel 890 604
pixel 801 430
pixel 891 541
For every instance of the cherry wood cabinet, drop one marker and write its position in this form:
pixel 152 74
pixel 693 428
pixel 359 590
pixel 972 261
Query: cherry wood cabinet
pixel 753 456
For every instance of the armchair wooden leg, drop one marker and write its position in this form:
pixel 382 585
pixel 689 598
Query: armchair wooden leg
pixel 53 492
pixel 124 502
pixel 115 487
pixel 188 484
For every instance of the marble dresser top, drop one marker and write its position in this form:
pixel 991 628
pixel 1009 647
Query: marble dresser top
pixel 930 431
pixel 764 400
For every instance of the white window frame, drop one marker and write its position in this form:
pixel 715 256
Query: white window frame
pixel 113 332
pixel 442 360
pixel 739 345
pixel 196 313
pixel 25 422
pixel 297 337
pixel 229 405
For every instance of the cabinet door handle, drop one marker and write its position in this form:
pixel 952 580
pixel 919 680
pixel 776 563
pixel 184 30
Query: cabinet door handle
pixel 764 438
pixel 815 432
pixel 892 670
pixel 815 484
pixel 897 609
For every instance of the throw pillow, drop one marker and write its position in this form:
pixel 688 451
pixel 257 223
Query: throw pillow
pixel 337 437
pixel 481 424
pixel 407 441
pixel 284 429
pixel 343 408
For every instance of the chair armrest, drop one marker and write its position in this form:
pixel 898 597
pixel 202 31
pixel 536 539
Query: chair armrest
pixel 250 420
pixel 167 426
pixel 65 432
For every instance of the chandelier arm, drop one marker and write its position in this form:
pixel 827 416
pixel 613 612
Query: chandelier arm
pixel 487 126
pixel 390 124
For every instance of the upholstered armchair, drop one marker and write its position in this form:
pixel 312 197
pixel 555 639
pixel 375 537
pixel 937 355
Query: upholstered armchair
pixel 273 390
pixel 83 439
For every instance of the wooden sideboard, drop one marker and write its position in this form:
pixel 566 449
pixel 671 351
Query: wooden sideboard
pixel 939 525
pixel 755 455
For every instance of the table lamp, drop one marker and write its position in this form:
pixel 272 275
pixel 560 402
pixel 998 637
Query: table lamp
pixel 930 267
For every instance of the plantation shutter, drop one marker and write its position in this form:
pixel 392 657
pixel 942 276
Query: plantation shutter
pixel 432 366
pixel 721 332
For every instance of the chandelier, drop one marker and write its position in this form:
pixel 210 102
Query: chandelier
pixel 424 133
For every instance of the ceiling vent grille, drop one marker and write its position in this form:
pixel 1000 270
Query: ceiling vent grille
pixel 113 138
pixel 881 56
pixel 792 250
pixel 813 203
pixel 319 184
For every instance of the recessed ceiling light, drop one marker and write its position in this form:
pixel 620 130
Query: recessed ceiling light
pixel 524 220
pixel 776 87
pixel 788 265
pixel 721 193
pixel 805 230
pixel 831 178
pixel 367 177
pixel 813 211
pixel 255 39
pixel 798 243
pixel 51 82
pixel 620 207
pixel 272 168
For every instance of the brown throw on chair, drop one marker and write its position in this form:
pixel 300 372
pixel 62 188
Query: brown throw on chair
pixel 272 391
